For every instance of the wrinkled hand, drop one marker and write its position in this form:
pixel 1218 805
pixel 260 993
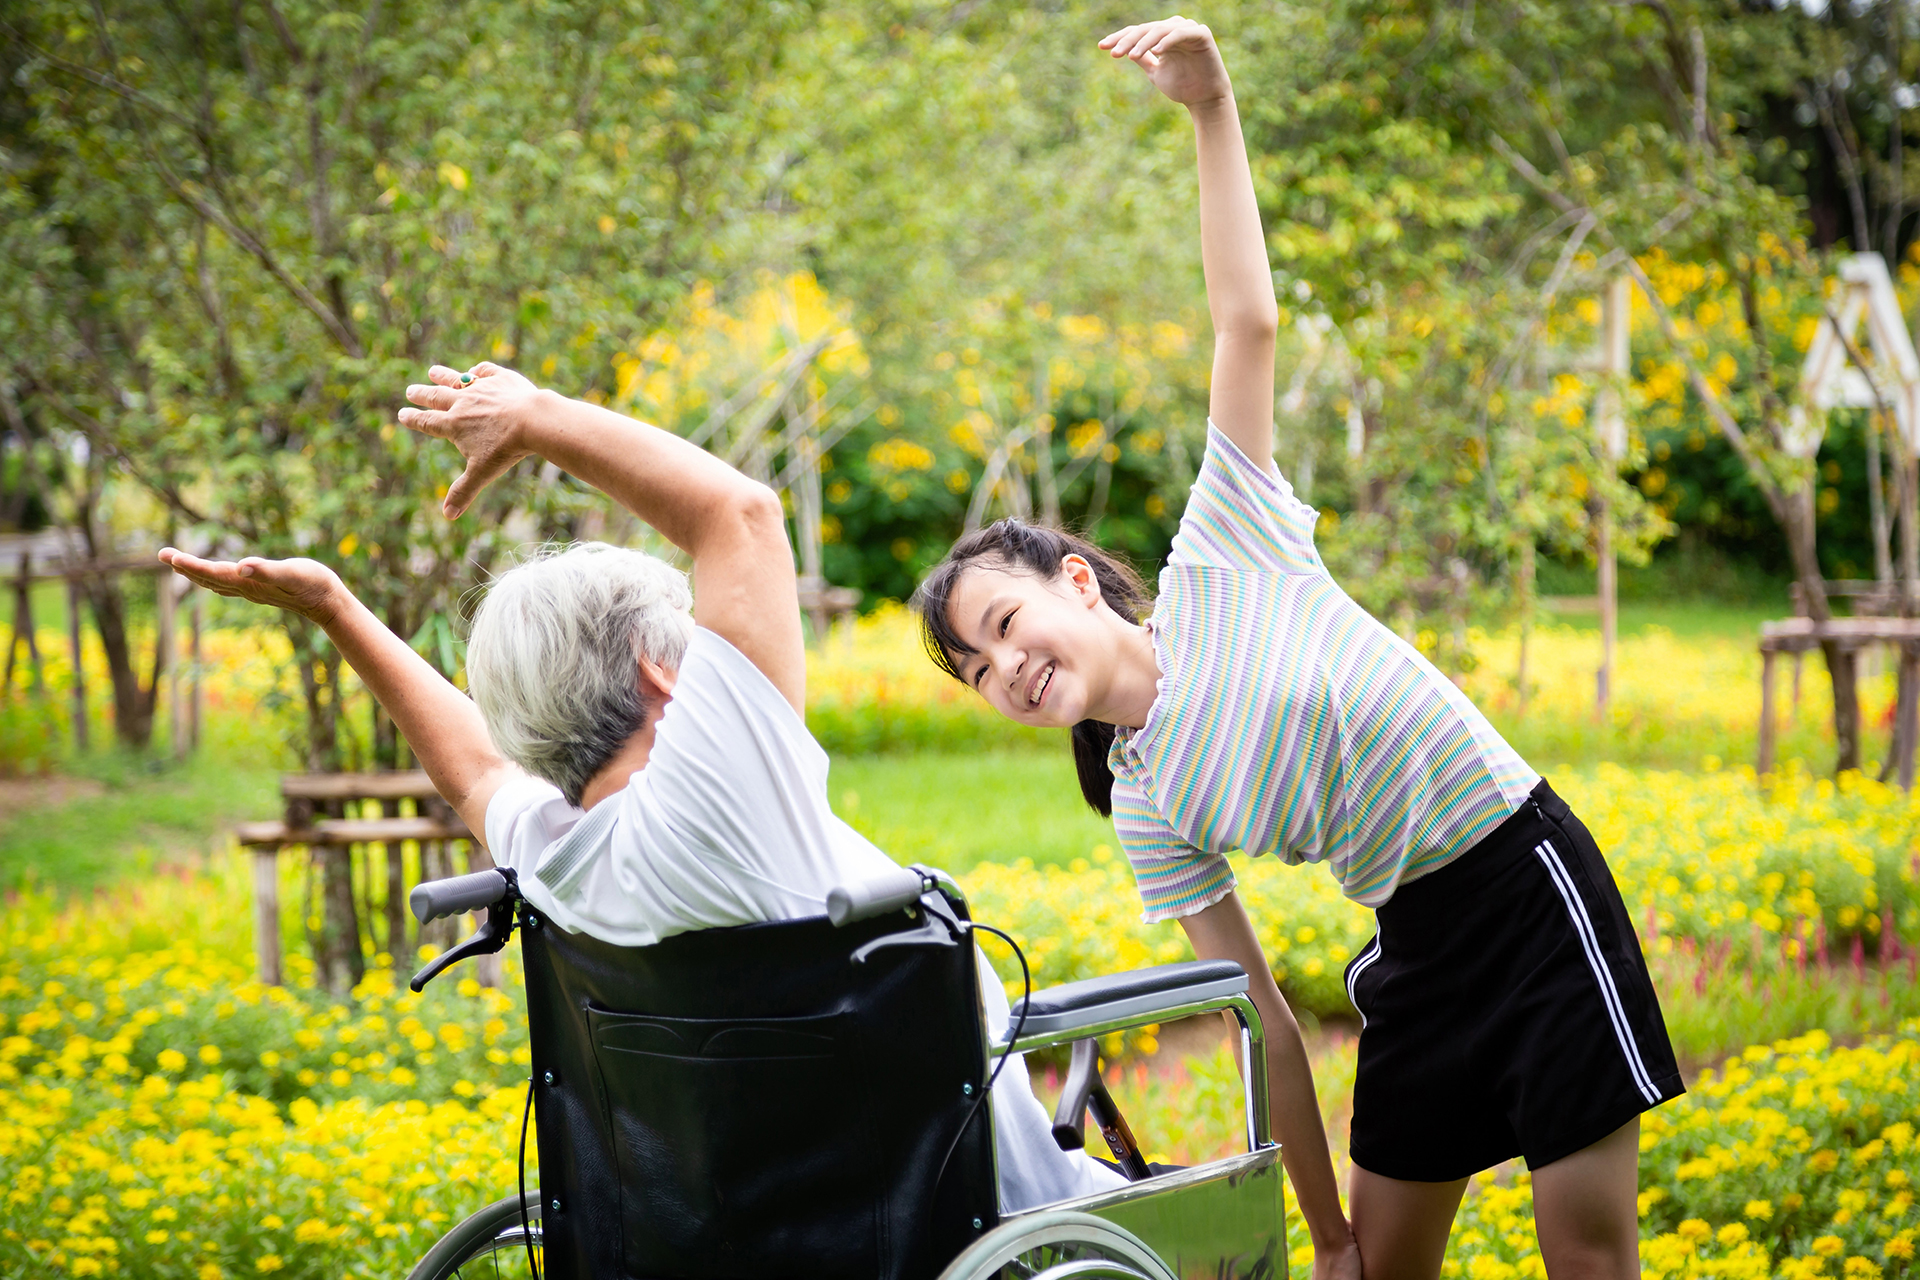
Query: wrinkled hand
pixel 306 587
pixel 1178 56
pixel 482 418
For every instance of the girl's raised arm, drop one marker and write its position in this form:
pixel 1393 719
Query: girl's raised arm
pixel 1181 59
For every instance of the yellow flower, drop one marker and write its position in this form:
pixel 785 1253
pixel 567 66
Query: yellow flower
pixel 1731 1234
pixel 1759 1209
pixel 210 1054
pixel 211 1271
pixel 272 1222
pixel 157 1237
pixel 311 1230
pixel 1829 1246
pixel 268 1262
pixel 172 1060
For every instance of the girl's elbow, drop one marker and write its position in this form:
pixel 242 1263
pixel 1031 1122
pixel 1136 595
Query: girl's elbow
pixel 1253 324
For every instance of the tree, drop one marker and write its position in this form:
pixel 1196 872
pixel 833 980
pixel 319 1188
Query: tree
pixel 254 225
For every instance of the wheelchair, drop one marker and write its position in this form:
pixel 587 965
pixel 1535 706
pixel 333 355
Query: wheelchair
pixel 810 1098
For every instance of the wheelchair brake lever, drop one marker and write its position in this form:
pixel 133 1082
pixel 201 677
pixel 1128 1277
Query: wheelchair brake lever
pixel 939 927
pixel 1085 1089
pixel 491 936
pixel 1070 1117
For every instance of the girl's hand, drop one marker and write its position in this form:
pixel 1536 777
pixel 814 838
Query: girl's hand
pixel 482 412
pixel 1178 55
pixel 306 587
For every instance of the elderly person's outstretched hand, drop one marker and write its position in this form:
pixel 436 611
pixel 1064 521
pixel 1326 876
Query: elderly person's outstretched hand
pixel 305 587
pixel 483 412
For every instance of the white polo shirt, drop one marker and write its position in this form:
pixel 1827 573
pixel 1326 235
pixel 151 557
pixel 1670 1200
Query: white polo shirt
pixel 729 824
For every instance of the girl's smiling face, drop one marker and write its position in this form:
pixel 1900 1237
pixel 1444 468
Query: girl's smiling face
pixel 1041 647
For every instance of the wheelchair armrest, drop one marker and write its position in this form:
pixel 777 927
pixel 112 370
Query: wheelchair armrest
pixel 1094 1006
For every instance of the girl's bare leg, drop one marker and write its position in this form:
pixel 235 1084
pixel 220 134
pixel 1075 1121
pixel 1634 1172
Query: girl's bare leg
pixel 1585 1209
pixel 1402 1227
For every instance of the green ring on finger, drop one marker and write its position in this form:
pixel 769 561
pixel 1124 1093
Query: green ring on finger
pixel 465 378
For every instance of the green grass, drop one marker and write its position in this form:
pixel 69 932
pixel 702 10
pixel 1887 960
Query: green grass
pixel 143 816
pixel 955 810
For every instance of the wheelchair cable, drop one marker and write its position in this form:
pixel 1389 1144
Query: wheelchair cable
pixel 526 1226
pixel 1013 1038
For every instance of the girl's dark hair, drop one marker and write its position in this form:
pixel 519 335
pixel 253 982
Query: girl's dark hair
pixel 1038 550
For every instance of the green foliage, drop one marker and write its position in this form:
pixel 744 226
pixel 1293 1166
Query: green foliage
pixel 241 238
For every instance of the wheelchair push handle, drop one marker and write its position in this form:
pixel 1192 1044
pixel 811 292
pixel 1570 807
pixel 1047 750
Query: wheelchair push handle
pixel 436 899
pixel 891 890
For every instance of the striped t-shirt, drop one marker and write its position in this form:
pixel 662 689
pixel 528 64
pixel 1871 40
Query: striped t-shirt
pixel 1288 720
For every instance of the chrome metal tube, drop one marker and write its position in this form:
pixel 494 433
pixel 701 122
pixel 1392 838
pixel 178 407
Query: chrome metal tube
pixel 1253 1041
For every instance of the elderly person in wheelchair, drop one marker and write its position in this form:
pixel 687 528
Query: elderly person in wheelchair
pixel 760 1047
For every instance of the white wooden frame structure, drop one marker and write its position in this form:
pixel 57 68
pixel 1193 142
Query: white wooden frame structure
pixel 1884 378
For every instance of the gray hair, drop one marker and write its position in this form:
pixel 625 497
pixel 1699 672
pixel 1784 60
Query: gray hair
pixel 552 650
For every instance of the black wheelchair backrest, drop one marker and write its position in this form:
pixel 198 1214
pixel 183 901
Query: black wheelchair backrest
pixel 750 1102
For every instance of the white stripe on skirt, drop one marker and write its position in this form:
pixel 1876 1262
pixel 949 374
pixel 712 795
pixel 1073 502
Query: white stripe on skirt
pixel 1367 956
pixel 1609 994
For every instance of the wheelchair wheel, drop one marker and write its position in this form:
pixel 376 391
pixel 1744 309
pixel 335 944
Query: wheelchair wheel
pixel 490 1244
pixel 1055 1246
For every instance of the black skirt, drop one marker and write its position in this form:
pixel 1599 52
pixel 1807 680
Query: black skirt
pixel 1506 1008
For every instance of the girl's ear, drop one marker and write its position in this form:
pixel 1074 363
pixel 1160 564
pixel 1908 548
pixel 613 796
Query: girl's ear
pixel 1081 578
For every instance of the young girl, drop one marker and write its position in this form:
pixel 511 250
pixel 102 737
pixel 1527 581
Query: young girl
pixel 1506 1008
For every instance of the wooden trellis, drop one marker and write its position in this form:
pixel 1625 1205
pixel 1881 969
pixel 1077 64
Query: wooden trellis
pixel 1884 379
pixel 775 429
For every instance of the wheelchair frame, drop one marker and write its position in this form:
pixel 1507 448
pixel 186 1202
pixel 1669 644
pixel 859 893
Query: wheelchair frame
pixel 1223 1219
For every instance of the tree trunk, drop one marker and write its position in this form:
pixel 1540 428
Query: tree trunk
pixel 1841 669
pixel 132 705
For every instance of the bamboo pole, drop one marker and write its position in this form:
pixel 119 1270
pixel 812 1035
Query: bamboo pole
pixel 176 704
pixel 163 659
pixel 79 671
pixel 1764 765
pixel 1616 312
pixel 196 622
pixel 266 914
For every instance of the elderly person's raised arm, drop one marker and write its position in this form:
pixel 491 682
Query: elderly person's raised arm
pixel 733 527
pixel 441 724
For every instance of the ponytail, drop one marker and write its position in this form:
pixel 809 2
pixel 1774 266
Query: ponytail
pixel 1038 550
